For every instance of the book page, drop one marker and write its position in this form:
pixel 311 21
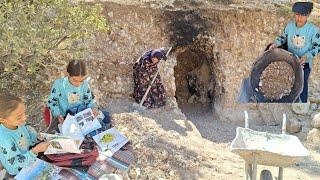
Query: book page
pixel 71 128
pixel 87 122
pixel 111 140
pixel 39 170
pixel 61 144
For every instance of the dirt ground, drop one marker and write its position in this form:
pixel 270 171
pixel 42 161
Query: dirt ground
pixel 169 144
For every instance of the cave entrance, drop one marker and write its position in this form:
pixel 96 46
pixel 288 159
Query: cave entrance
pixel 193 78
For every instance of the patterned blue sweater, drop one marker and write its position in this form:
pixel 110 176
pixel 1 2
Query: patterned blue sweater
pixel 64 95
pixel 301 41
pixel 14 147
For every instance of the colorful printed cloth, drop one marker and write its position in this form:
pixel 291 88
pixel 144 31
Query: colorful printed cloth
pixel 108 166
pixel 143 73
pixel 72 174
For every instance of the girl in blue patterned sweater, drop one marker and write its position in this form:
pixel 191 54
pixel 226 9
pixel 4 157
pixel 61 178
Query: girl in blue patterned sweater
pixel 72 94
pixel 16 138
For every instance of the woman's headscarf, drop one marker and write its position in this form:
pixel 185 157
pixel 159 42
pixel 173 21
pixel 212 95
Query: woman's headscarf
pixel 159 54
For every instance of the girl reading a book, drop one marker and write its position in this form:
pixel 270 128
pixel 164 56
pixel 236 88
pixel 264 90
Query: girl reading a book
pixel 72 94
pixel 16 138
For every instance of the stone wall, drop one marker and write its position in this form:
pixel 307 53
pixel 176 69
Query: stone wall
pixel 236 36
pixel 137 29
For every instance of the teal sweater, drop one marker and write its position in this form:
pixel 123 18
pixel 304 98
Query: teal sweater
pixel 64 95
pixel 14 147
pixel 301 41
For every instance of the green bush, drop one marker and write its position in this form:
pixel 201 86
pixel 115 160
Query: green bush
pixel 37 33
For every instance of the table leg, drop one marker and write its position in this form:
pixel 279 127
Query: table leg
pixel 248 171
pixel 280 175
pixel 254 171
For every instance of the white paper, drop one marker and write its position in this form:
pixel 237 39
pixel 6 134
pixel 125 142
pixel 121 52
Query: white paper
pixel 39 169
pixel 61 144
pixel 73 131
pixel 70 128
pixel 110 141
pixel 86 121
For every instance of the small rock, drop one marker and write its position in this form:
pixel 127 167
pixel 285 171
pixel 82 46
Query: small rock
pixel 314 136
pixel 110 14
pixel 314 107
pixel 110 177
pixel 213 156
pixel 191 100
pixel 134 173
pixel 200 158
pixel 301 108
pixel 294 126
pixel 137 146
pixel 164 155
pixel 316 121
pixel 171 173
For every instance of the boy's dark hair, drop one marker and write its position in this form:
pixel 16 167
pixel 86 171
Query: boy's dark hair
pixel 303 8
pixel 8 103
pixel 76 68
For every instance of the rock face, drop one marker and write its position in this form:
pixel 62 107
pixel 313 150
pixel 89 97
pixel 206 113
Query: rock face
pixel 229 47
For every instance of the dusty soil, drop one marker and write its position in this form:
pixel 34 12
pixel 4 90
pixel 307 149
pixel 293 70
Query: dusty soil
pixel 171 145
pixel 277 80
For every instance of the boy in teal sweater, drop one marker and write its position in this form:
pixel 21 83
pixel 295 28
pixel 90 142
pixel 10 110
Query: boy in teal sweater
pixel 302 39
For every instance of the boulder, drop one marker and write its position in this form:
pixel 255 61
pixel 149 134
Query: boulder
pixel 301 108
pixel 314 136
pixel 316 121
pixel 294 126
pixel 314 107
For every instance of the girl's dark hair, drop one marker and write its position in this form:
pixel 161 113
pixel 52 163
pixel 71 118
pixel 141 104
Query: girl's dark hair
pixel 76 68
pixel 8 103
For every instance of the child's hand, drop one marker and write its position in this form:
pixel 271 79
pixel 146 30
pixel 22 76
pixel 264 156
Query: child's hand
pixel 60 119
pixel 273 46
pixel 41 147
pixel 95 112
pixel 303 59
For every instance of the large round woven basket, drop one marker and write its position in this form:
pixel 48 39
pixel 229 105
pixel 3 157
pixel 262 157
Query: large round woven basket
pixel 262 63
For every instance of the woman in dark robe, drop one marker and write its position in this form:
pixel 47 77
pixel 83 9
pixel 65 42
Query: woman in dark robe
pixel 144 71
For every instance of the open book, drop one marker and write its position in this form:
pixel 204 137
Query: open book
pixel 110 141
pixel 61 144
pixel 39 170
pixel 81 124
pixel 73 131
